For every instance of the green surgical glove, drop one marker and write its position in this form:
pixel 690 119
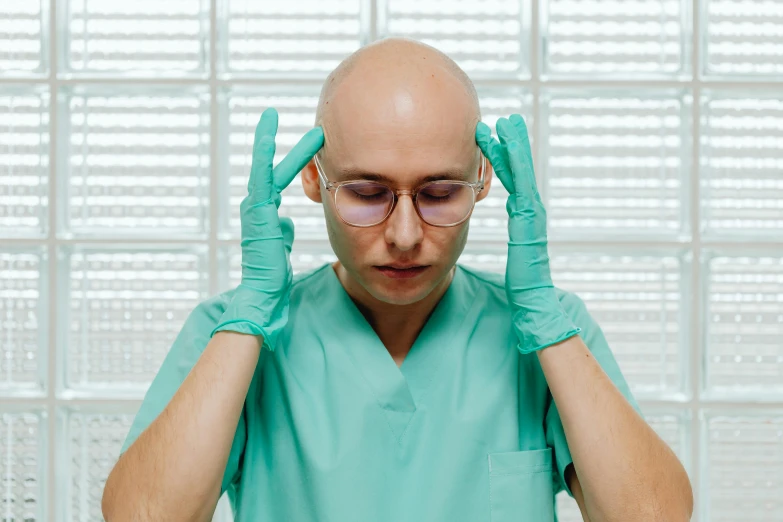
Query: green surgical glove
pixel 259 305
pixel 538 317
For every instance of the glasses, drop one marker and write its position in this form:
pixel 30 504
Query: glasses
pixel 443 203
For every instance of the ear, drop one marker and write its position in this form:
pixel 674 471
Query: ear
pixel 487 180
pixel 310 182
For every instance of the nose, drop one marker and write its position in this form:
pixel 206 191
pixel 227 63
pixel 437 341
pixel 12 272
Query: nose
pixel 404 227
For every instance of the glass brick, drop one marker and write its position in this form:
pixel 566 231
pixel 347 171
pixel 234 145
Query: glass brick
pixel 23 463
pixel 744 324
pixel 305 256
pixel 742 459
pixel 489 220
pixel 640 301
pixel 743 38
pixel 302 39
pixel 616 164
pixel 24 160
pixel 88 446
pixel 488 39
pixel 24 37
pixel 741 160
pixel 134 163
pixel 241 110
pixel 146 37
pixel 121 309
pixel 615 39
pixel 23 321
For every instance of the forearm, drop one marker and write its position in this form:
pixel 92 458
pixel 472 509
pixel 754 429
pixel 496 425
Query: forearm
pixel 625 470
pixel 174 470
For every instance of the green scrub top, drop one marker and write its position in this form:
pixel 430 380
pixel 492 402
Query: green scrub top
pixel 333 430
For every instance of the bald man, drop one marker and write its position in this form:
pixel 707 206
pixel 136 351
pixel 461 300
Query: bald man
pixel 394 384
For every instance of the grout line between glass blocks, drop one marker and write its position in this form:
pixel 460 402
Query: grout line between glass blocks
pixel 213 152
pixel 50 491
pixel 696 339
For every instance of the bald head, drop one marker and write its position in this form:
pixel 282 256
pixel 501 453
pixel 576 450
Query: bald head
pixel 392 59
pixel 397 94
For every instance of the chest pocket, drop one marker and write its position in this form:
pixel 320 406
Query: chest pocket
pixel 520 486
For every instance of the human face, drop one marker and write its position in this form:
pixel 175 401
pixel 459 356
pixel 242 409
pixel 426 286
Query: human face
pixel 400 124
pixel 402 238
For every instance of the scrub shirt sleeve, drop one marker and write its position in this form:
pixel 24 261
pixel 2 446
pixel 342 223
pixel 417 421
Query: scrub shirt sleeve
pixel 186 350
pixel 593 337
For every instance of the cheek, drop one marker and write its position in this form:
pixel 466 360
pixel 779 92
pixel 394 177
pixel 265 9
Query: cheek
pixel 349 243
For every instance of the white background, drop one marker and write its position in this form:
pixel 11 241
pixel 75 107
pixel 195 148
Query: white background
pixel 125 134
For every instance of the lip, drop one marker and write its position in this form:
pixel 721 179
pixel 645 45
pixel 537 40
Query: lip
pixel 402 273
pixel 399 266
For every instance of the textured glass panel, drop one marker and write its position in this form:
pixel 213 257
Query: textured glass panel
pixel 671 427
pixel 616 164
pixel 743 38
pixel 241 110
pixel 638 300
pixel 23 319
pixel 24 160
pixel 615 38
pixel 640 303
pixel 123 308
pixel 489 220
pixel 744 314
pixel 89 445
pixel 306 38
pixel 742 164
pixel 136 162
pixel 305 255
pixel 743 466
pixel 163 38
pixel 23 36
pixel 23 458
pixel 486 39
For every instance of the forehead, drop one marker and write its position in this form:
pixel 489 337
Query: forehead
pixel 407 128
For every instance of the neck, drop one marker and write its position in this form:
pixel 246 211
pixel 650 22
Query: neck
pixel 397 326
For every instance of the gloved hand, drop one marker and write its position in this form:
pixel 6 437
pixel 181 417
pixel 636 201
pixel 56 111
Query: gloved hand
pixel 538 317
pixel 259 305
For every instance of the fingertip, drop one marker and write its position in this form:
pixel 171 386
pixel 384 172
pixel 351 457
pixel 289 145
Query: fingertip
pixel 517 119
pixel 506 130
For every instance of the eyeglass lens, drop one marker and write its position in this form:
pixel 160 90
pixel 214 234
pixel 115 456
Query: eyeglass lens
pixel 368 203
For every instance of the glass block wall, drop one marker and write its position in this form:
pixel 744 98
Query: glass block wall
pixel 125 137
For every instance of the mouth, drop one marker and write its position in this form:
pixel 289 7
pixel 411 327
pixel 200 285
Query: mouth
pixel 402 273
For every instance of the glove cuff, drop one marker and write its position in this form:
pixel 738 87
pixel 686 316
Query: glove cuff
pixel 252 312
pixel 542 322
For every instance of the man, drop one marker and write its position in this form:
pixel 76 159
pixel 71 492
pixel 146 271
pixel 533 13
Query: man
pixel 393 385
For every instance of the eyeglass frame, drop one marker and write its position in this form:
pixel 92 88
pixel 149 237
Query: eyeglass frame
pixel 334 186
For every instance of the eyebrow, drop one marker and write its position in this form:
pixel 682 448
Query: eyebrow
pixel 351 174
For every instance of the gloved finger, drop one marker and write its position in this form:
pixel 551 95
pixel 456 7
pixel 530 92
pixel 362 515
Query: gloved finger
pixel 298 157
pixel 263 155
pixel 521 126
pixel 507 132
pixel 523 186
pixel 493 151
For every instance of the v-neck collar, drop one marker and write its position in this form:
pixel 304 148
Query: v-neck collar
pixel 398 390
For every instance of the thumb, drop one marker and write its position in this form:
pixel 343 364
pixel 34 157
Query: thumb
pixel 287 226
